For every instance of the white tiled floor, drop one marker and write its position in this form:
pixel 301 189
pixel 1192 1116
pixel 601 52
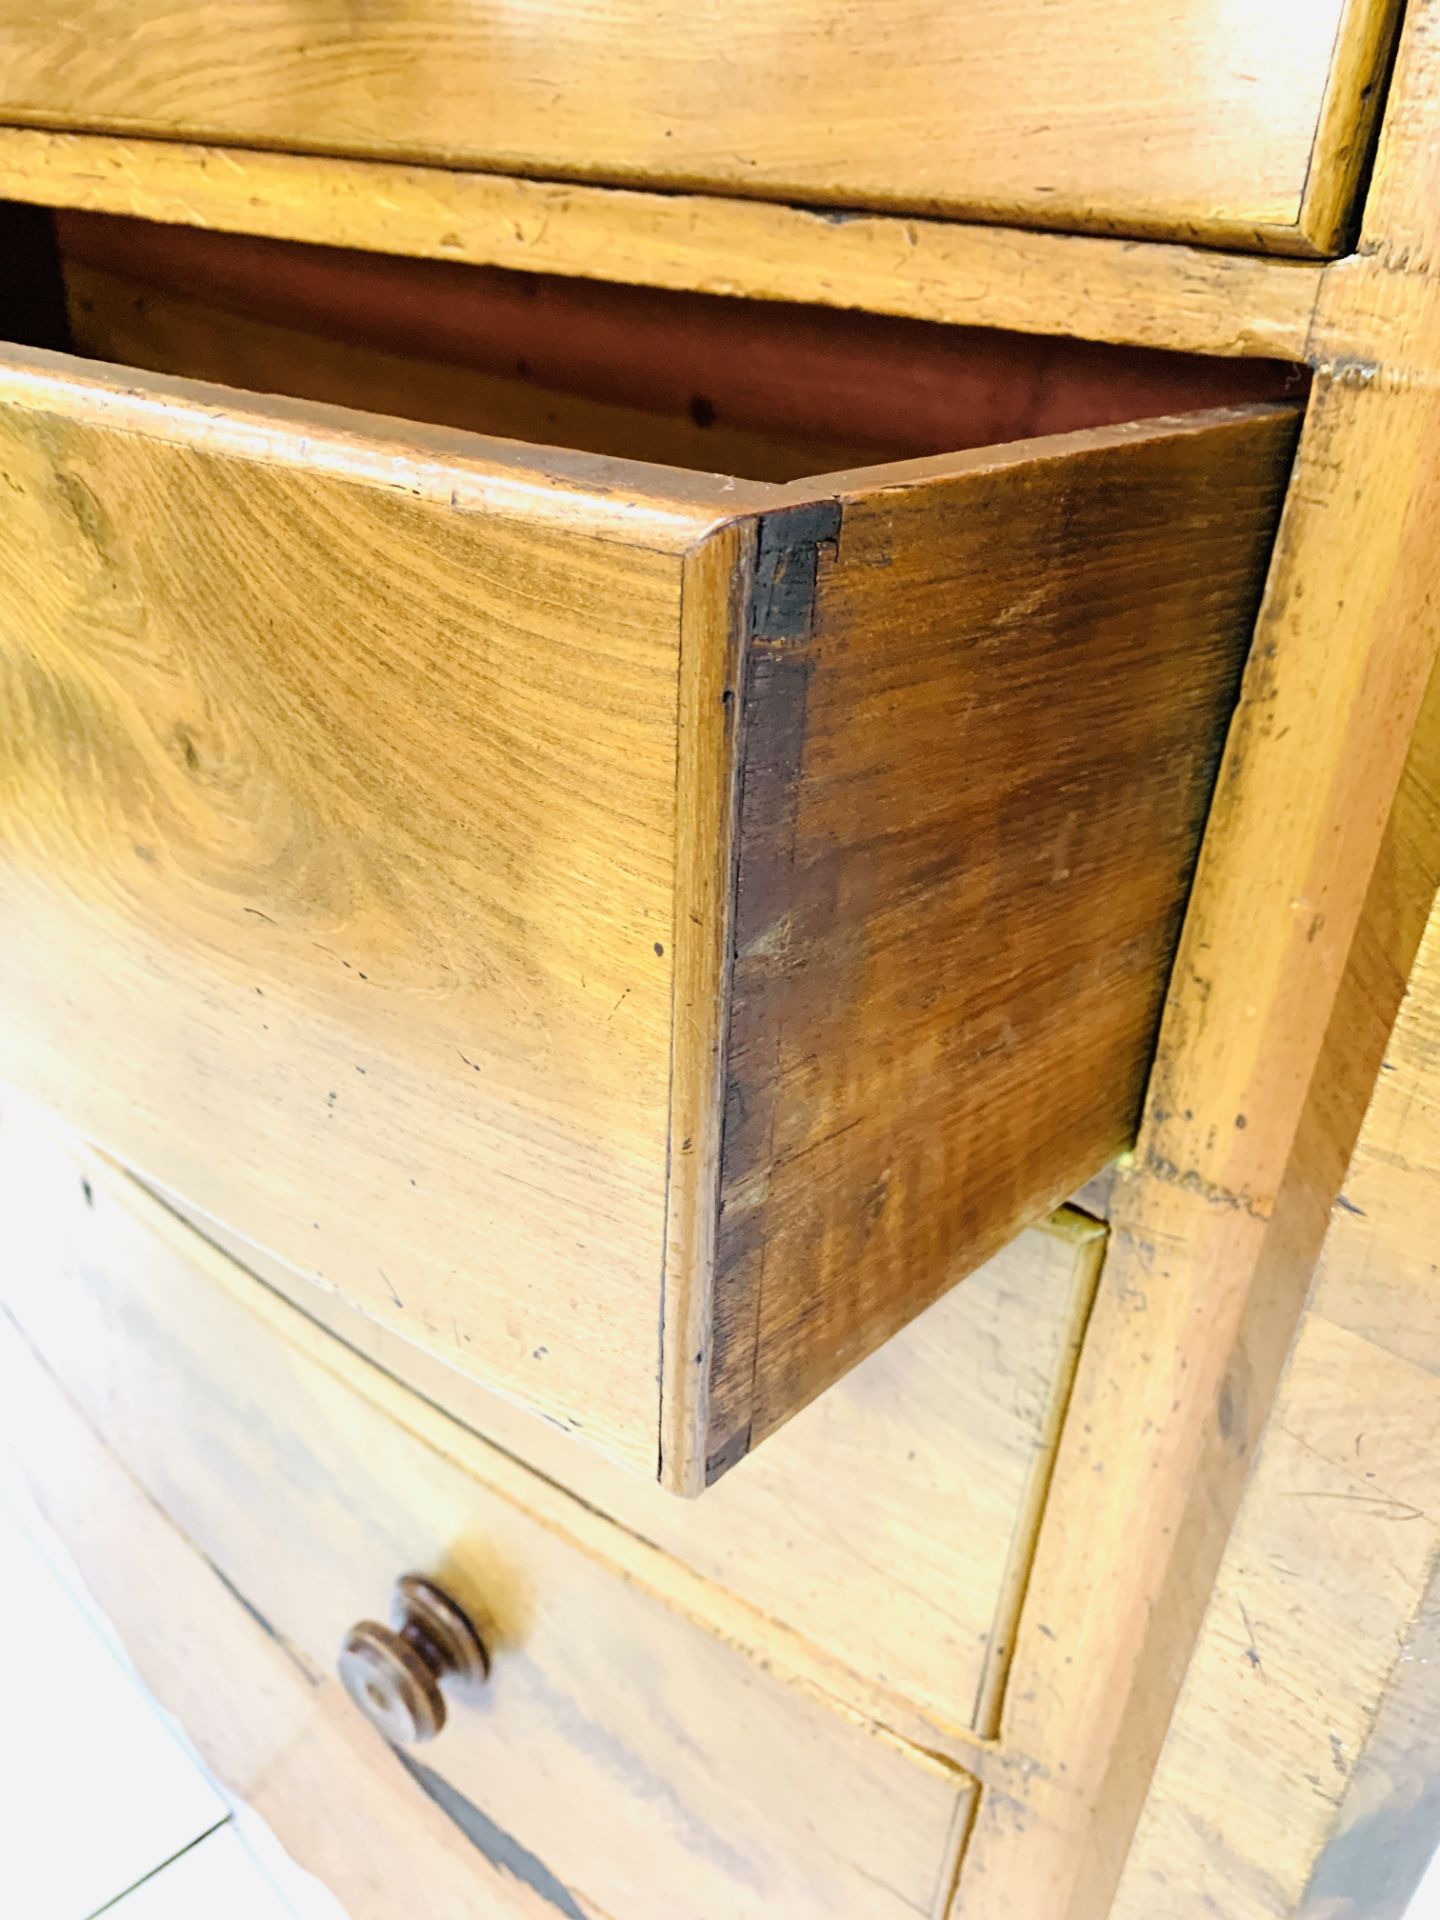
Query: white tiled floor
pixel 217 1878
pixel 104 1807
pixel 1425 1902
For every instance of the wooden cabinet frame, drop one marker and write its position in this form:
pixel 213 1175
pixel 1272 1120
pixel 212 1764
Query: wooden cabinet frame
pixel 1319 867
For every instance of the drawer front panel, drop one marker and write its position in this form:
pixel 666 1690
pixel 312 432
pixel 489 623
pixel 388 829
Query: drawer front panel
pixel 1228 120
pixel 650 1767
pixel 337 861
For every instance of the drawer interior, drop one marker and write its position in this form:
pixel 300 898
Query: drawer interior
pixel 763 391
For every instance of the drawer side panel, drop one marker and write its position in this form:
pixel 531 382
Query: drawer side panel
pixel 976 766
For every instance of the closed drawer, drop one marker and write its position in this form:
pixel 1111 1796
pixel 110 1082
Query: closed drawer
pixel 893 1522
pixel 644 933
pixel 1228 121
pixel 890 1525
pixel 619 1759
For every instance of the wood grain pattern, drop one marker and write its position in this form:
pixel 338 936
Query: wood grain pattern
pixel 308 1480
pixel 257 667
pixel 1283 993
pixel 1218 121
pixel 891 1524
pixel 1183 298
pixel 1350 112
pixel 1271 1797
pixel 910 1073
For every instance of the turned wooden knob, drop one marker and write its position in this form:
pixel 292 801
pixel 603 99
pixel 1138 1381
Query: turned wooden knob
pixel 394 1674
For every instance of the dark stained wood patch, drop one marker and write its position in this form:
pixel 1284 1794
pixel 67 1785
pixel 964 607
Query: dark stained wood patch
pixel 787 561
pixel 501 1849
pixel 775 679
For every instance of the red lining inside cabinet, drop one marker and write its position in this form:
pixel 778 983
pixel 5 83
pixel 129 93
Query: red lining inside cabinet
pixel 764 389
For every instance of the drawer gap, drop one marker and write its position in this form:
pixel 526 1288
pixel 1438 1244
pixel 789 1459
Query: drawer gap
pixel 765 391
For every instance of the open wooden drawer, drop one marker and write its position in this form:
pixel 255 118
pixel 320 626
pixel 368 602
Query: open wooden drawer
pixel 643 933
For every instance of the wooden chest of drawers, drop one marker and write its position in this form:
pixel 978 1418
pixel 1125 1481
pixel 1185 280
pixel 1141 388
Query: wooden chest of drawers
pixel 890 1526
pixel 591 862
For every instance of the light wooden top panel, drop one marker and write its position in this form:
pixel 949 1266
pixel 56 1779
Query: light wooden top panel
pixel 1221 119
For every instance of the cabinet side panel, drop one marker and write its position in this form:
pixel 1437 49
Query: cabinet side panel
pixel 1299 1774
